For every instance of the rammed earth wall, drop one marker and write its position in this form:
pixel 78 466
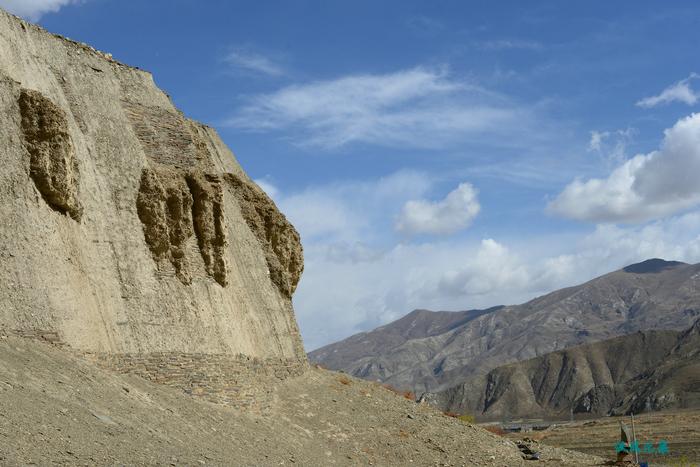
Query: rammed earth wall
pixel 129 229
pixel 131 235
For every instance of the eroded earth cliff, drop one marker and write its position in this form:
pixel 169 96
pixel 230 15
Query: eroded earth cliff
pixel 130 233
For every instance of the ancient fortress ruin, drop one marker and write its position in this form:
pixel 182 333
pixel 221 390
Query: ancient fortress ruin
pixel 129 233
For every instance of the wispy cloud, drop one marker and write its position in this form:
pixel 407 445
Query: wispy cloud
pixel 246 59
pixel 34 9
pixel 678 92
pixel 342 295
pixel 596 142
pixel 425 24
pixel 645 187
pixel 612 145
pixel 509 44
pixel 419 107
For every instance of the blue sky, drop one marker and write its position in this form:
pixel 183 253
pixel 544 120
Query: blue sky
pixel 442 155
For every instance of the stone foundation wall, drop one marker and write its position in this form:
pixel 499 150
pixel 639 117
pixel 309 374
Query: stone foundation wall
pixel 47 336
pixel 234 380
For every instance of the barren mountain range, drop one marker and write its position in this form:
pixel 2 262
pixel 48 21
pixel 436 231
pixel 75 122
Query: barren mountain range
pixel 647 370
pixel 433 351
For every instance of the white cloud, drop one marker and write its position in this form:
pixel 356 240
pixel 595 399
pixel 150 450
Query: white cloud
pixel 418 107
pixel 34 9
pixel 493 267
pixel 453 213
pixel 647 186
pixel 341 296
pixel 244 58
pixel 678 92
pixel 347 211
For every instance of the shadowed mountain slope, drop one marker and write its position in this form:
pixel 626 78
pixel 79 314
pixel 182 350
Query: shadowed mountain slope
pixel 651 370
pixel 675 383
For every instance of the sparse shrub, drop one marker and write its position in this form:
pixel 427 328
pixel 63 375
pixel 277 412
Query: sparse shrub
pixel 405 394
pixel 467 418
pixel 495 429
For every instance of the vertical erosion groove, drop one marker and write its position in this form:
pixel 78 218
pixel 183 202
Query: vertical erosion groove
pixel 149 205
pixel 164 206
pixel 53 166
pixel 209 223
pixel 179 207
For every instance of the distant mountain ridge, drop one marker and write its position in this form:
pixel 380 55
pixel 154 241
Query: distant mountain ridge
pixel 652 266
pixel 427 351
pixel 416 325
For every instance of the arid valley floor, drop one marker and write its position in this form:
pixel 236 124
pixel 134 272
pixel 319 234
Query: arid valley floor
pixel 681 429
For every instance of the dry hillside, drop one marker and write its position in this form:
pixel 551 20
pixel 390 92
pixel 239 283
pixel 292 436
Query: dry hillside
pixel 58 409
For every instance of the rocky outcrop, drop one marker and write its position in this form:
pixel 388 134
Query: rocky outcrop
pixel 210 223
pixel 173 206
pixel 672 384
pixel 52 163
pixel 599 400
pixel 164 205
pixel 277 237
pixel 129 231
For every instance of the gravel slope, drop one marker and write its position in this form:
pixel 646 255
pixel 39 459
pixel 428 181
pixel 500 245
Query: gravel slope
pixel 56 409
